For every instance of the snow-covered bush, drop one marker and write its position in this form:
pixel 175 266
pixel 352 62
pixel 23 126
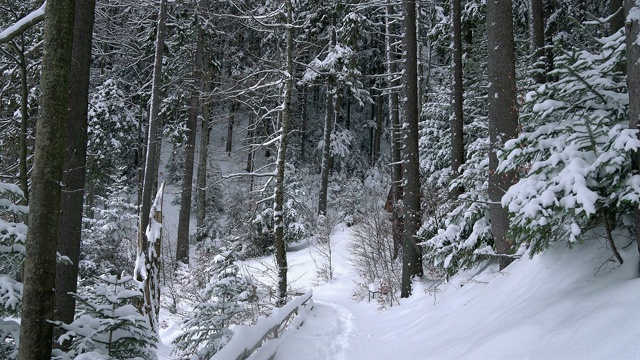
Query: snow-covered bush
pixel 13 236
pixel 108 325
pixel 372 256
pixel 224 298
pixel 574 155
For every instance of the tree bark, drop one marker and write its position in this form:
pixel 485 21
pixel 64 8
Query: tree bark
pixel 503 116
pixel 536 28
pixel 632 27
pixel 40 259
pixel 151 165
pixel 617 20
pixel 396 140
pixel 411 252
pixel 278 206
pixel 182 242
pixel 457 120
pixel 232 119
pixel 73 178
pixel 378 133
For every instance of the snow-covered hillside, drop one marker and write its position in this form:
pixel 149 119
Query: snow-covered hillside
pixel 563 304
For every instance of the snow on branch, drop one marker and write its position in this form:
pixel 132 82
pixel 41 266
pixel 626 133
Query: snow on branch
pixel 23 24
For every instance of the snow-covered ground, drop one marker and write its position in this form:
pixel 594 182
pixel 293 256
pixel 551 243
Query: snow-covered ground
pixel 564 304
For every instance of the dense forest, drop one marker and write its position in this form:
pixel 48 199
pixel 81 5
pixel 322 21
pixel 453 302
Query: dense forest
pixel 450 133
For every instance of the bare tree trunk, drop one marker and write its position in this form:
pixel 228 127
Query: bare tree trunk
pixel 329 120
pixel 536 27
pixel 457 119
pixel 70 225
pixel 278 206
pixel 182 242
pixel 616 11
pixel 411 251
pixel 201 191
pixel 151 166
pixel 632 27
pixel 44 206
pixel 503 116
pixel 396 140
pixel 232 119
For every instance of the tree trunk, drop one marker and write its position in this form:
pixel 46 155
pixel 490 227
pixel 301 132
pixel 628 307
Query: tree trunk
pixel 396 140
pixel 536 27
pixel 616 11
pixel 632 27
pixel 326 151
pixel 151 165
pixel 201 192
pixel 457 120
pixel 182 242
pixel 503 116
pixel 44 206
pixel 278 206
pixel 232 118
pixel 411 252
pixel 70 226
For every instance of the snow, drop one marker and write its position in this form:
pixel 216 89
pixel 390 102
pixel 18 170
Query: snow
pixel 562 304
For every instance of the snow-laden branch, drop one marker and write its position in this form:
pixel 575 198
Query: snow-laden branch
pixel 22 25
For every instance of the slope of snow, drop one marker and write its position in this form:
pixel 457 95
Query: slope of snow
pixel 564 304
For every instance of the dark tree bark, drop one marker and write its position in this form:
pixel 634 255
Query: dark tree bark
pixel 396 133
pixel 536 28
pixel 232 119
pixel 44 206
pixel 616 10
pixel 73 178
pixel 457 120
pixel 411 252
pixel 632 27
pixel 278 206
pixel 329 120
pixel 503 115
pixel 182 242
pixel 151 168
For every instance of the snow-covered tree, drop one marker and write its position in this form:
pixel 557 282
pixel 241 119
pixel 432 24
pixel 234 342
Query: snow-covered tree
pixel 13 236
pixel 225 296
pixel 108 324
pixel 574 155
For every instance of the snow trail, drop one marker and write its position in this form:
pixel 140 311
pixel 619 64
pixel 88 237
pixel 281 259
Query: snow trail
pixel 323 336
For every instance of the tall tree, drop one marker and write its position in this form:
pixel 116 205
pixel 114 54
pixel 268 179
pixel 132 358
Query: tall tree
pixel 278 206
pixel 73 178
pixel 40 259
pixel 411 252
pixel 536 28
pixel 396 138
pixel 503 116
pixel 182 242
pixel 329 120
pixel 457 120
pixel 201 181
pixel 151 171
pixel 632 25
